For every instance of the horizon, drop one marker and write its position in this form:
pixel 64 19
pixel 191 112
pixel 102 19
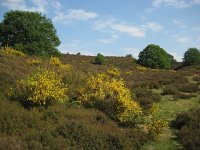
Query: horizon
pixel 118 28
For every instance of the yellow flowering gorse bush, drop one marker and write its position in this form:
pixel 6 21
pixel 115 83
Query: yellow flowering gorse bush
pixel 141 68
pixel 156 127
pixel 129 73
pixel 114 72
pixel 111 96
pixel 12 52
pixel 56 63
pixel 44 86
pixel 32 61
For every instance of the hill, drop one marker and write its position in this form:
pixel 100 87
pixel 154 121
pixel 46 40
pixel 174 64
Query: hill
pixel 75 126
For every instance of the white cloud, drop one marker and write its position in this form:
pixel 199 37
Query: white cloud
pixel 108 40
pixel 113 26
pixel 152 26
pixel 103 24
pixel 57 5
pixel 178 57
pixel 74 15
pixel 14 4
pixel 134 51
pixel 179 23
pixel 173 3
pixel 182 39
pixel 37 5
pixel 196 28
pixel 131 30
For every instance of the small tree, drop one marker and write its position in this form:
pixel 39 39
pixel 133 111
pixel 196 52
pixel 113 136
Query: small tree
pixel 191 57
pixel 99 59
pixel 29 32
pixel 155 57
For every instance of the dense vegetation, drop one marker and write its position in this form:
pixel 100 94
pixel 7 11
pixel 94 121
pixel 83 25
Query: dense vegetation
pixel 188 124
pixel 71 102
pixel 191 57
pixel 29 32
pixel 155 57
pixel 91 112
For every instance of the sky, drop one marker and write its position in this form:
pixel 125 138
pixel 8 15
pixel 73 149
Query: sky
pixel 118 27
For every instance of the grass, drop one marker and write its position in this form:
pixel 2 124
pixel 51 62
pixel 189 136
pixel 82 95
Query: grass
pixel 168 110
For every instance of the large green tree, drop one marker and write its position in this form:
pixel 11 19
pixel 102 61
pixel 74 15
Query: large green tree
pixel 29 32
pixel 191 57
pixel 154 56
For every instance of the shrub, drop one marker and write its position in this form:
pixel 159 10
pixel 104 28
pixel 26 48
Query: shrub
pixel 32 61
pixel 12 52
pixel 146 98
pixel 113 72
pixel 196 78
pixel 169 90
pixel 191 57
pixel 111 96
pixel 42 87
pixel 179 95
pixel 188 124
pixel 57 65
pixel 129 73
pixel 155 57
pixel 156 127
pixel 99 59
pixel 180 79
pixel 188 87
pixel 141 68
pixel 58 127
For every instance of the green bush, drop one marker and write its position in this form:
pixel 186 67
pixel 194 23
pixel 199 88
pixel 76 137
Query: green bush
pixel 155 57
pixel 99 59
pixel 191 57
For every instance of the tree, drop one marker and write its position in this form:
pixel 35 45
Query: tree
pixel 155 57
pixel 29 32
pixel 191 57
pixel 99 59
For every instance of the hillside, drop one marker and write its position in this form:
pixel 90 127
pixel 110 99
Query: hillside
pixel 76 126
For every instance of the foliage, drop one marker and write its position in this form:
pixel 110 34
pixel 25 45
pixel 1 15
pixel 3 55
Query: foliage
pixel 141 68
pixel 59 127
pixel 155 57
pixel 12 52
pixel 191 57
pixel 29 32
pixel 42 88
pixel 129 56
pixel 32 61
pixel 58 66
pixel 169 90
pixel 156 127
pixel 99 59
pixel 114 72
pixel 146 98
pixel 111 96
pixel 188 124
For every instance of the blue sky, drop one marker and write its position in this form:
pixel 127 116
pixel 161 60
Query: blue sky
pixel 118 27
